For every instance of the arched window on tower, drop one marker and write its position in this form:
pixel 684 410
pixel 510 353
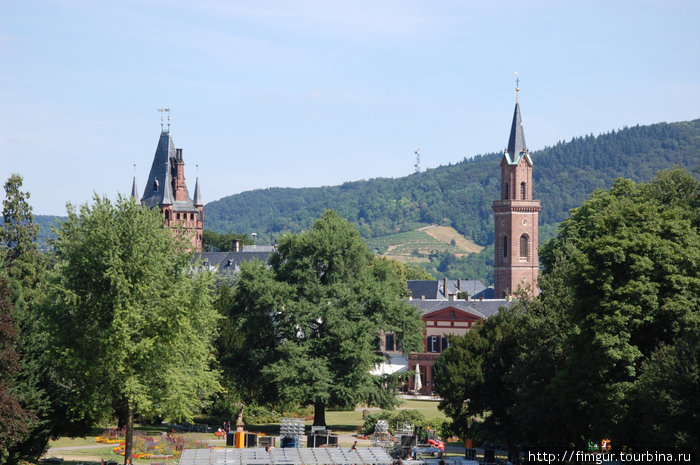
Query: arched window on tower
pixel 523 191
pixel 167 215
pixel 505 246
pixel 505 191
pixel 524 246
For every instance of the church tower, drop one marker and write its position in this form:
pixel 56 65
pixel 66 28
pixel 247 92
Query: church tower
pixel 166 189
pixel 516 218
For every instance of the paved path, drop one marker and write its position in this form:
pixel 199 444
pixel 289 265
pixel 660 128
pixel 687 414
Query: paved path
pixel 94 446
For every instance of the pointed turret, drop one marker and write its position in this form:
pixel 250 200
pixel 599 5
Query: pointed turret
pixel 134 190
pixel 166 189
pixel 516 142
pixel 197 194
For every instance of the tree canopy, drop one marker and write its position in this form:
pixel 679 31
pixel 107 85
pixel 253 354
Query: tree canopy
pixel 609 348
pixel 129 328
pixel 305 329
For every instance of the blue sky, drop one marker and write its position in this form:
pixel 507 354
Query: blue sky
pixel 308 93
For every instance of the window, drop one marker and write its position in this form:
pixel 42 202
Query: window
pixel 156 184
pixel 389 342
pixel 523 191
pixel 505 191
pixel 505 246
pixel 445 344
pixel 524 246
pixel 167 215
pixel 433 344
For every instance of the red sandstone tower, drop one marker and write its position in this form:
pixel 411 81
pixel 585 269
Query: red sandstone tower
pixel 166 189
pixel 516 218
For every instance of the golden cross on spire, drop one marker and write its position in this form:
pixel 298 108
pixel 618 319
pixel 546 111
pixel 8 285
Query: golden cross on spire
pixel 517 86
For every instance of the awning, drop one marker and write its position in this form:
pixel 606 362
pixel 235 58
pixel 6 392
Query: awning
pixel 393 364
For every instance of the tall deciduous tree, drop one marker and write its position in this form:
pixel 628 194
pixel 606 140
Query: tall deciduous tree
pixel 127 324
pixel 308 325
pixel 610 346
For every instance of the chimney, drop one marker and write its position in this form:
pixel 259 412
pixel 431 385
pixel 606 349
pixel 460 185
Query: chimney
pixel 459 285
pixel 452 297
pixel 236 245
pixel 444 287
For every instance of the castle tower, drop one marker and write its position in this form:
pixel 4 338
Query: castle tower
pixel 516 218
pixel 166 189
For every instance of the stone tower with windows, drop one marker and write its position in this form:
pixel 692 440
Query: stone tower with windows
pixel 166 189
pixel 516 218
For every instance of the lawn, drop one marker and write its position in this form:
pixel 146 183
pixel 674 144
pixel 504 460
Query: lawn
pixel 88 451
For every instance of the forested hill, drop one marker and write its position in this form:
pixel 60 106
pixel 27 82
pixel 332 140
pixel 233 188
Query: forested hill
pixel 460 195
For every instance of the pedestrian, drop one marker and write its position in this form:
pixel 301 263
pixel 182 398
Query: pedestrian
pixel 354 446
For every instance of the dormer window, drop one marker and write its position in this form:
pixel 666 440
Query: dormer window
pixel 156 185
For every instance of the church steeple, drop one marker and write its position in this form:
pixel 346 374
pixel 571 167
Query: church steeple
pixel 516 262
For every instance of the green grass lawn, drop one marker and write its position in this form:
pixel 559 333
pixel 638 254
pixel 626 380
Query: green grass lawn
pixel 339 421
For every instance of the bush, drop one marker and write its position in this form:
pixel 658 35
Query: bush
pixel 258 415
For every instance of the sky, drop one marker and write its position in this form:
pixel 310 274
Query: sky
pixel 303 93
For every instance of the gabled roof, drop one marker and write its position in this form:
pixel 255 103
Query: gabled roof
pixel 486 308
pixel 453 313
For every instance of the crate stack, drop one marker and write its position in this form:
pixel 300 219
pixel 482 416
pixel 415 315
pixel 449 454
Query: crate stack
pixel 292 431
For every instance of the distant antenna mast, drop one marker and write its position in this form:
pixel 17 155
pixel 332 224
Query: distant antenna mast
pixel 161 111
pixel 417 165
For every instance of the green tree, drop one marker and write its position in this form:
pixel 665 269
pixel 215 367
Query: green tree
pixel 24 270
pixel 634 271
pixel 610 346
pixel 309 324
pixel 13 417
pixel 127 325
pixel 473 378
pixel 215 242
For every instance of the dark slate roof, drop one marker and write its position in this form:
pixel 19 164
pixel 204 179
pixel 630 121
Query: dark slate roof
pixel 197 194
pixel 516 142
pixel 483 308
pixel 434 289
pixel 159 188
pixel 134 189
pixel 487 293
pixel 229 261
pixel 420 288
pixel 471 286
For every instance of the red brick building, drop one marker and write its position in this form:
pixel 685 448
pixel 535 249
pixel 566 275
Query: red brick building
pixel 167 190
pixel 516 262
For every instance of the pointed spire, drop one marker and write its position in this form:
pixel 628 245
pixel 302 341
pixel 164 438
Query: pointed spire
pixel 134 189
pixel 197 193
pixel 516 142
